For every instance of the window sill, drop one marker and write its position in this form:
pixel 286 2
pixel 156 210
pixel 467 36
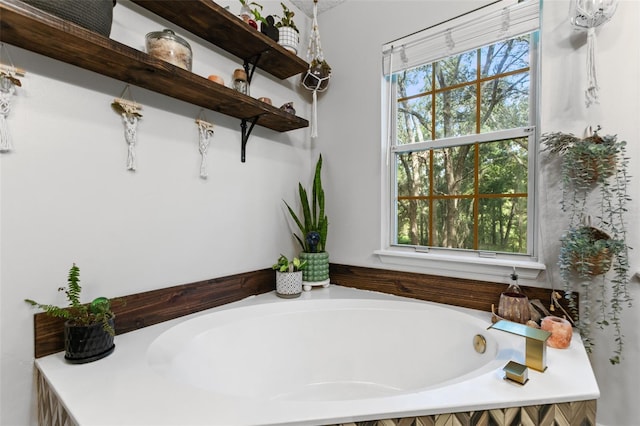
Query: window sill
pixel 480 268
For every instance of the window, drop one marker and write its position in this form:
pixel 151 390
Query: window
pixel 462 140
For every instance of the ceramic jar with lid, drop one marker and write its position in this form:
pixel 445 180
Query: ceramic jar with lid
pixel 166 45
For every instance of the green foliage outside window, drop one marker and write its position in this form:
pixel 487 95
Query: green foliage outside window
pixel 474 195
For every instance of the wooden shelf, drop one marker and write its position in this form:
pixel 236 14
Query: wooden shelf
pixel 215 24
pixel 32 29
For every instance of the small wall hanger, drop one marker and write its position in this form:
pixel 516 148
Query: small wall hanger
pixel 8 82
pixel 130 112
pixel 205 134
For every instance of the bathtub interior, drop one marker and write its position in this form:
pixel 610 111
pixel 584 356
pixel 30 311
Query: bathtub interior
pixel 326 350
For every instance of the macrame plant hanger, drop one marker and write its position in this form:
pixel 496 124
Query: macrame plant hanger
pixel 130 112
pixel 590 14
pixel 205 134
pixel 8 81
pixel 317 76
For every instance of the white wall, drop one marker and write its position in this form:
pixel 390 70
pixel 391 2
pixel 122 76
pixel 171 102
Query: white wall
pixel 350 140
pixel 66 195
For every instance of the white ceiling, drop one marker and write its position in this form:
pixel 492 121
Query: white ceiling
pixel 306 6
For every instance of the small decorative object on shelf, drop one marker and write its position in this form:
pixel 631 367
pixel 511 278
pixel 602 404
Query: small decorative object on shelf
pixel 169 47
pixel 216 79
pixel 265 100
pixel 251 15
pixel 130 112
pixel 89 328
pixel 8 83
pixel 288 107
pixel 240 82
pixel 205 133
pixel 268 28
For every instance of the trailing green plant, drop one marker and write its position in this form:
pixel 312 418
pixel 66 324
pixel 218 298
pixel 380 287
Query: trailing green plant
pixel 314 224
pixel 286 20
pixel 77 313
pixel 286 265
pixel 595 259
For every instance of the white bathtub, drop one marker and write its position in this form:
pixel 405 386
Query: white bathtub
pixel 327 349
pixel 334 355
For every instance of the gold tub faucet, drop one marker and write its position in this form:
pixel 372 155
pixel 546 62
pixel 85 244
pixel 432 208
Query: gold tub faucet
pixel 536 342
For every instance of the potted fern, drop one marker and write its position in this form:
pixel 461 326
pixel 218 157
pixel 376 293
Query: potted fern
pixel 89 328
pixel 313 226
pixel 594 259
pixel 289 276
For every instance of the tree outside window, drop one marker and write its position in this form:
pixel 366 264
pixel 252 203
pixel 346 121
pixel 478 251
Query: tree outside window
pixel 462 167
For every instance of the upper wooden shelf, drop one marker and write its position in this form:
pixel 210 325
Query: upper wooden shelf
pixel 213 23
pixel 25 26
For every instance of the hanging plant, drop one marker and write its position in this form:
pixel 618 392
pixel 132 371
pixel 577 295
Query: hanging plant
pixel 595 259
pixel 317 76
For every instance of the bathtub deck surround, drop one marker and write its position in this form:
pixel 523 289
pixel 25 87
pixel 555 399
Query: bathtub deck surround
pixel 148 389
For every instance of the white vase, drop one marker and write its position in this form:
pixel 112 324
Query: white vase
pixel 288 284
pixel 289 39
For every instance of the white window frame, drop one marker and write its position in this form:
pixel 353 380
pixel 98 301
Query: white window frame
pixel 470 264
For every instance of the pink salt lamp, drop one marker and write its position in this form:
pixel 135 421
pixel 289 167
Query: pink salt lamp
pixel 560 330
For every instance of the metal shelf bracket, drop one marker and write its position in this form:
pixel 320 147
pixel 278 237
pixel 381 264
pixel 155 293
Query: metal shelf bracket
pixel 249 66
pixel 245 134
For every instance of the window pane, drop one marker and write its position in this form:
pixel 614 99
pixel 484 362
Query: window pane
pixel 456 70
pixel 414 120
pixel 470 196
pixel 413 178
pixel 506 56
pixel 504 167
pixel 453 170
pixel 414 81
pixel 453 223
pixel 455 112
pixel 503 225
pixel 413 222
pixel 505 103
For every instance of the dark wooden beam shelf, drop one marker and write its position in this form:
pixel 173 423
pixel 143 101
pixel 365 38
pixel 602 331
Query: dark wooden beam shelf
pixel 215 24
pixel 27 27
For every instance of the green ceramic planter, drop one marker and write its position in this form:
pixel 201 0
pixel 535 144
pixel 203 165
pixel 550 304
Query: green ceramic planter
pixel 317 268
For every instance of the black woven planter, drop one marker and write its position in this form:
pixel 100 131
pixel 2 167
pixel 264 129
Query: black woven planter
pixel 87 343
pixel 94 15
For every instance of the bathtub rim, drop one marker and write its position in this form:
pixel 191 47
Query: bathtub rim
pixel 126 363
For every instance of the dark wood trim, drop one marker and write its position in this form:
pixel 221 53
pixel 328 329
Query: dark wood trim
pixel 451 291
pixel 152 307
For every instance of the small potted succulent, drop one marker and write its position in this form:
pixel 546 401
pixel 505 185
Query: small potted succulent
pixel 289 36
pixel 289 276
pixel 89 328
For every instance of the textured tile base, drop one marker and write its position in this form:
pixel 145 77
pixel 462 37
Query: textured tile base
pixel 51 412
pixel 579 413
